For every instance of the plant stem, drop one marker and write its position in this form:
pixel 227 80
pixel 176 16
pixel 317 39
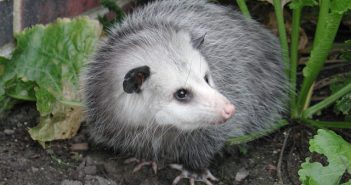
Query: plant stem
pixel 330 124
pixel 318 56
pixel 72 103
pixel 19 97
pixel 322 19
pixel 243 8
pixel 282 33
pixel 326 102
pixel 294 58
pixel 252 136
pixel 308 97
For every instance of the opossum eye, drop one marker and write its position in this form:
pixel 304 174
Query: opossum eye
pixel 206 78
pixel 182 95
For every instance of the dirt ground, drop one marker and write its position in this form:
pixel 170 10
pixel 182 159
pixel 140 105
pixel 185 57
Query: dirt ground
pixel 23 161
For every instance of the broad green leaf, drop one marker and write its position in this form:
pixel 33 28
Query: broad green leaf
pixel 7 73
pixel 347 183
pixel 340 6
pixel 21 90
pixel 301 3
pixel 45 101
pixel 62 123
pixel 50 58
pixel 338 153
pixel 53 55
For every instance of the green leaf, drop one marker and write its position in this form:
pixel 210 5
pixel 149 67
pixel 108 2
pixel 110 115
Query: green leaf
pixel 20 90
pixel 45 101
pixel 301 3
pixel 112 6
pixel 338 153
pixel 340 6
pixel 52 56
pixel 343 105
pixel 62 123
pixel 7 73
pixel 347 183
pixel 48 61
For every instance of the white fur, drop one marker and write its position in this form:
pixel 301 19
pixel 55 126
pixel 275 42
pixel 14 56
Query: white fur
pixel 203 110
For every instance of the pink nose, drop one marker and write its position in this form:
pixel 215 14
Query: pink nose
pixel 228 111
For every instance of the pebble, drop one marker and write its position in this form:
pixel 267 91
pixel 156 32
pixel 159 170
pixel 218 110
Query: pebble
pixel 241 175
pixel 79 147
pixel 9 131
pixel 34 169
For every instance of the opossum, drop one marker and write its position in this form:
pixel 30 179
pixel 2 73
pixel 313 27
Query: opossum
pixel 177 78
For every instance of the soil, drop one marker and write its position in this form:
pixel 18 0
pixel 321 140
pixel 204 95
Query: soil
pixel 23 161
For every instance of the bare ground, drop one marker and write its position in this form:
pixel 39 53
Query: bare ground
pixel 23 161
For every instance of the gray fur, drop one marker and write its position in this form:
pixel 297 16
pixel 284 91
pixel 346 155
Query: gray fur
pixel 245 65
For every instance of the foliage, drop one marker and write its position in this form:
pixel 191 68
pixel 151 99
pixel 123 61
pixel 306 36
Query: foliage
pixel 338 153
pixel 113 7
pixel 44 68
pixel 343 104
pixel 326 142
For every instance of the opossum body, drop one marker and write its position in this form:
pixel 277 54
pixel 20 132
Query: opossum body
pixel 164 83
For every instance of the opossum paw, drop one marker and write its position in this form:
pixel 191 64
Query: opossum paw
pixel 141 164
pixel 204 177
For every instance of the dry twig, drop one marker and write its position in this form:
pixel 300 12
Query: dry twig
pixel 279 165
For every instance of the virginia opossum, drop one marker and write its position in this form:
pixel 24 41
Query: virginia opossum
pixel 165 83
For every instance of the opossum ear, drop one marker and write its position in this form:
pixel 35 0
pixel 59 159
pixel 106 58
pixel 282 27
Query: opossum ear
pixel 197 42
pixel 135 78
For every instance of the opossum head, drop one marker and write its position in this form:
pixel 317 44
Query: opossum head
pixel 166 81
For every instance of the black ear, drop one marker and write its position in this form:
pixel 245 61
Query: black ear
pixel 135 78
pixel 197 42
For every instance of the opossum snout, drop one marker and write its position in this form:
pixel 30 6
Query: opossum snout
pixel 228 111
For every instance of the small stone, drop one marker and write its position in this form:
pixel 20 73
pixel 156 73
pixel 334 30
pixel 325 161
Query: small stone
pixel 79 147
pixel 9 131
pixel 34 169
pixel 241 175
